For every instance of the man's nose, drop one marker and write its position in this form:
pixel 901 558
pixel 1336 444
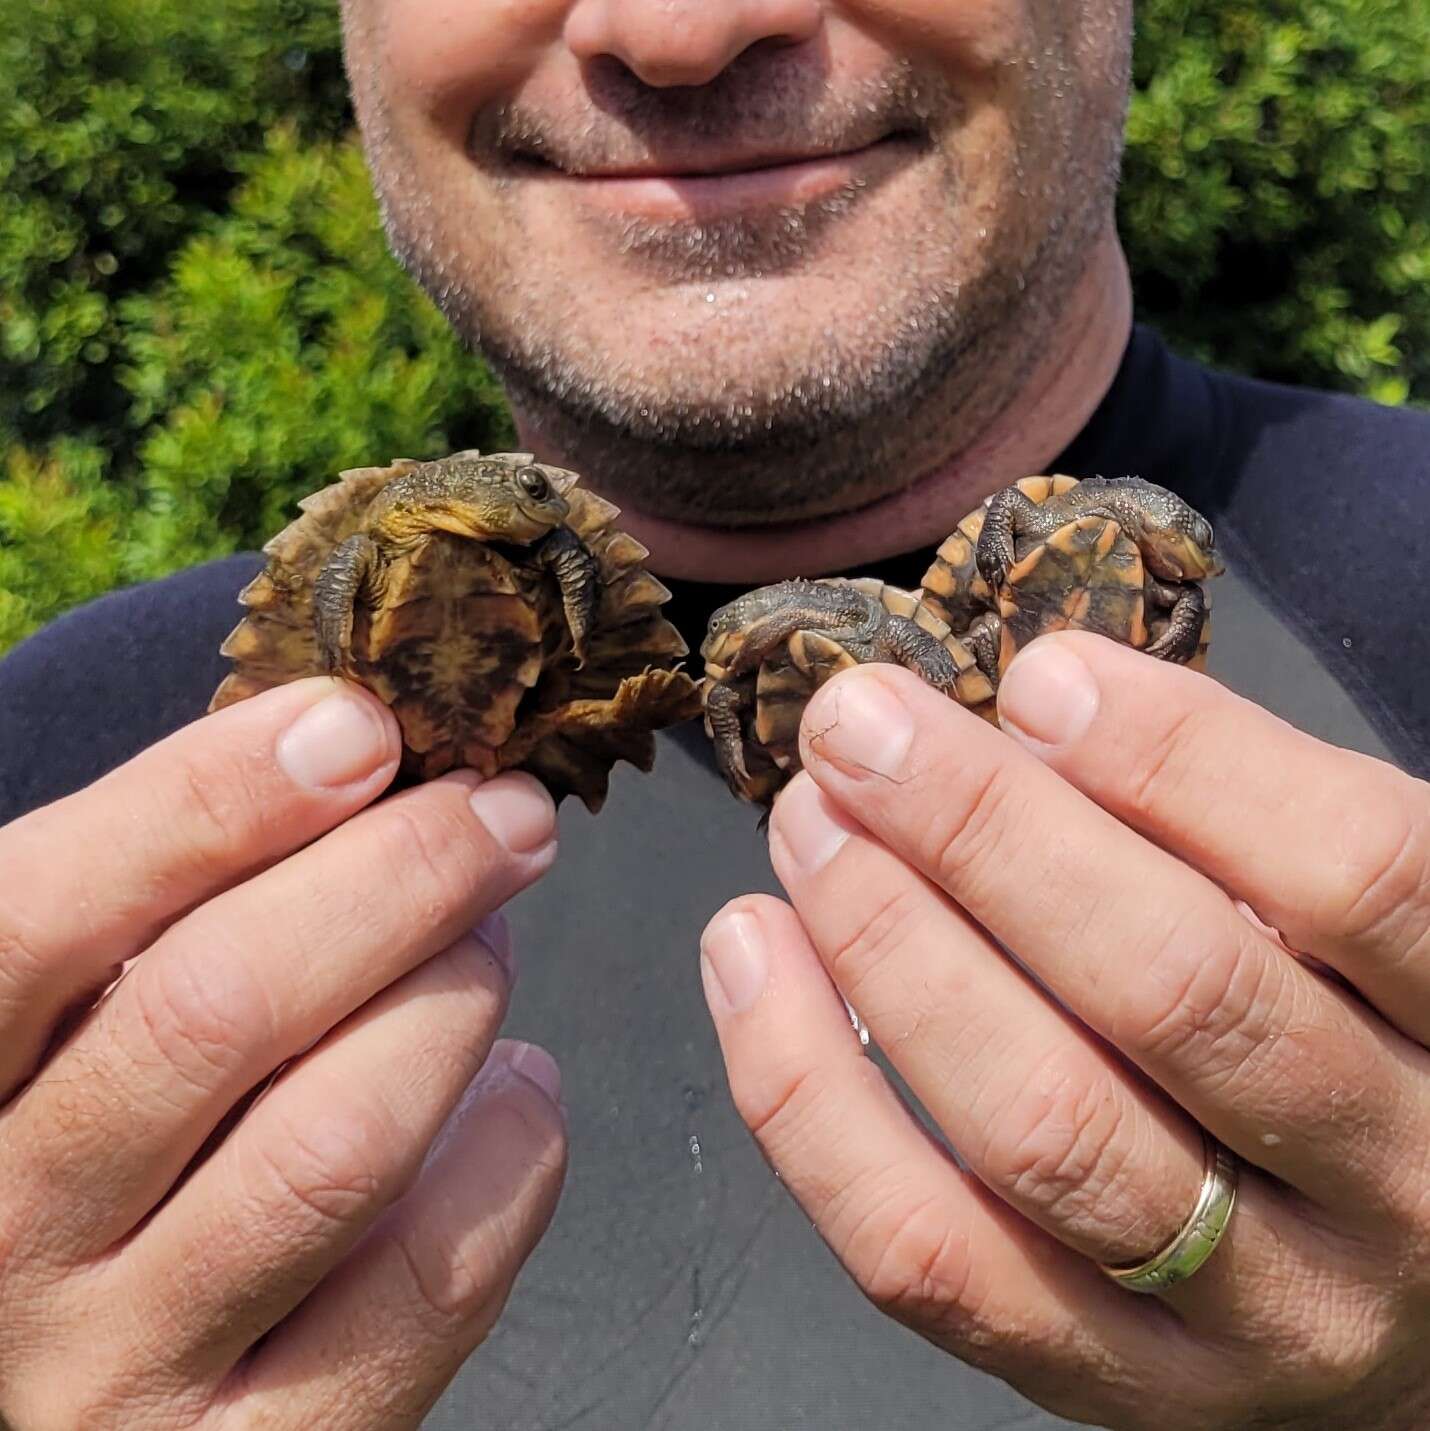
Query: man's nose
pixel 685 42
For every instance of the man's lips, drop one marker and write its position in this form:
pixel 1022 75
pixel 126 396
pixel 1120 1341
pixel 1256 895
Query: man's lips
pixel 725 185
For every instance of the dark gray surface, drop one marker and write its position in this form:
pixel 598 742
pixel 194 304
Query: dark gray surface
pixel 679 1286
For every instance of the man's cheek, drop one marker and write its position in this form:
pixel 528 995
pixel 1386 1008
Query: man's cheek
pixel 974 37
pixel 449 57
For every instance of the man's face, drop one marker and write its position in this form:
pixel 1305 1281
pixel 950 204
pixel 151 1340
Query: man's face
pixel 746 261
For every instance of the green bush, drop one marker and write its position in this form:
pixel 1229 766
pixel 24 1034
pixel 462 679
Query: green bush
pixel 199 321
pixel 1276 203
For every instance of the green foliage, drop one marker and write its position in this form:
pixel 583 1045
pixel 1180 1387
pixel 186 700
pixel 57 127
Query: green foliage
pixel 199 321
pixel 58 522
pixel 1276 202
pixel 122 129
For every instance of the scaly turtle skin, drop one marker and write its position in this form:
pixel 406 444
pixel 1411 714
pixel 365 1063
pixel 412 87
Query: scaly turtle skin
pixel 1120 556
pixel 489 601
pixel 768 651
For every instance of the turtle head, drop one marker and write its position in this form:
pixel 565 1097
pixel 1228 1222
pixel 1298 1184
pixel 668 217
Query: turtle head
pixel 1177 541
pixel 504 497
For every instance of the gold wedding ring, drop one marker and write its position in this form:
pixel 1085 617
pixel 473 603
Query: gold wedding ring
pixel 1199 1235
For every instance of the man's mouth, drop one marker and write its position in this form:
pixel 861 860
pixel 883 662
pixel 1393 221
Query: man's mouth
pixel 718 185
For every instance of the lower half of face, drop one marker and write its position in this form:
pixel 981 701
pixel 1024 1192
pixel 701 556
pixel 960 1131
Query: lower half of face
pixel 783 293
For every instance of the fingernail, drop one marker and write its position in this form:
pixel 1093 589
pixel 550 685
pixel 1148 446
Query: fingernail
pixel 807 824
pixel 861 724
pixel 537 1066
pixel 495 934
pixel 337 741
pixel 1048 696
pixel 518 812
pixel 734 966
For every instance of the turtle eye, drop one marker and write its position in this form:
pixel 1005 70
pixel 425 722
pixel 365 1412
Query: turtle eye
pixel 534 484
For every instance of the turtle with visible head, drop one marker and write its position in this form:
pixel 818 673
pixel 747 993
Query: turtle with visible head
pixel 1121 558
pixel 490 601
pixel 768 651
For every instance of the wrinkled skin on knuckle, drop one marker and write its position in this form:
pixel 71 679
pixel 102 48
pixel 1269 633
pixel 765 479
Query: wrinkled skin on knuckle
pixel 974 826
pixel 1199 1000
pixel 1377 888
pixel 859 957
pixel 459 1276
pixel 1062 1149
pixel 800 1108
pixel 303 1185
pixel 917 1265
pixel 432 852
pixel 1169 772
pixel 213 808
pixel 200 1012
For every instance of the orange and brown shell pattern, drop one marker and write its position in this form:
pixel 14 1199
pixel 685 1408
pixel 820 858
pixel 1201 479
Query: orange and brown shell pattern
pixel 490 601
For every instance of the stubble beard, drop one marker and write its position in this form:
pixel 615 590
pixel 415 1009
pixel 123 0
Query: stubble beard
pixel 859 419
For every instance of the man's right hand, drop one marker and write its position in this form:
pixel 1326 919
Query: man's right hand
pixel 177 1253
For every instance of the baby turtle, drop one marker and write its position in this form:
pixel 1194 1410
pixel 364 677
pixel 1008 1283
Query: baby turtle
pixel 768 651
pixel 1118 557
pixel 490 601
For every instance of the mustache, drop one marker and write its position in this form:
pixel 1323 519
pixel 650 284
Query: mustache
pixel 764 102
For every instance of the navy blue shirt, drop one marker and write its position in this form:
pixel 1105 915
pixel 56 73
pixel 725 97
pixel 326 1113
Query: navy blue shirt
pixel 679 1286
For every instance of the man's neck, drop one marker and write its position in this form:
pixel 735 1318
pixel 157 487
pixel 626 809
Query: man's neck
pixel 1053 404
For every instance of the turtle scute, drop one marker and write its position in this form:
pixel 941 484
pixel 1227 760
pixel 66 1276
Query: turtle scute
pixel 1121 557
pixel 456 605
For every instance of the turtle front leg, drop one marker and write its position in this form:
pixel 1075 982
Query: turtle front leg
pixel 984 638
pixel 578 574
pixel 722 710
pixel 905 643
pixel 1178 643
pixel 352 571
pixel 1009 515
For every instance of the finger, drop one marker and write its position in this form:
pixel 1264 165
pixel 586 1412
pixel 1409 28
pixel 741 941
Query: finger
pixel 1285 1069
pixel 249 980
pixel 339 1136
pixel 91 879
pixel 1045 1114
pixel 1041 1112
pixel 377 1342
pixel 1329 847
pixel 923 1241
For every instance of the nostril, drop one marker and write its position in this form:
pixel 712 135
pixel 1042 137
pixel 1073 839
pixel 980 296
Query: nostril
pixel 672 43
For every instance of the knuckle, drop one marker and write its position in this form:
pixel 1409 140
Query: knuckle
pixel 449 1280
pixel 459 1272
pixel 205 1016
pixel 430 850
pixel 1202 1002
pixel 1061 1148
pixel 915 1265
pixel 326 1176
pixel 892 924
pixel 774 1114
pixel 1171 768
pixel 212 809
pixel 1379 887
pixel 974 828
pixel 23 963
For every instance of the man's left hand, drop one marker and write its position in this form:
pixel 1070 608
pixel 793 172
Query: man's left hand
pixel 1215 922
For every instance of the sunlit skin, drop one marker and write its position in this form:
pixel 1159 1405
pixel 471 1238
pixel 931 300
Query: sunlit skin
pixel 831 270
pixel 795 282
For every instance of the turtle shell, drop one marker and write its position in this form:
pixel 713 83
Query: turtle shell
pixel 772 697
pixel 470 648
pixel 1088 576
